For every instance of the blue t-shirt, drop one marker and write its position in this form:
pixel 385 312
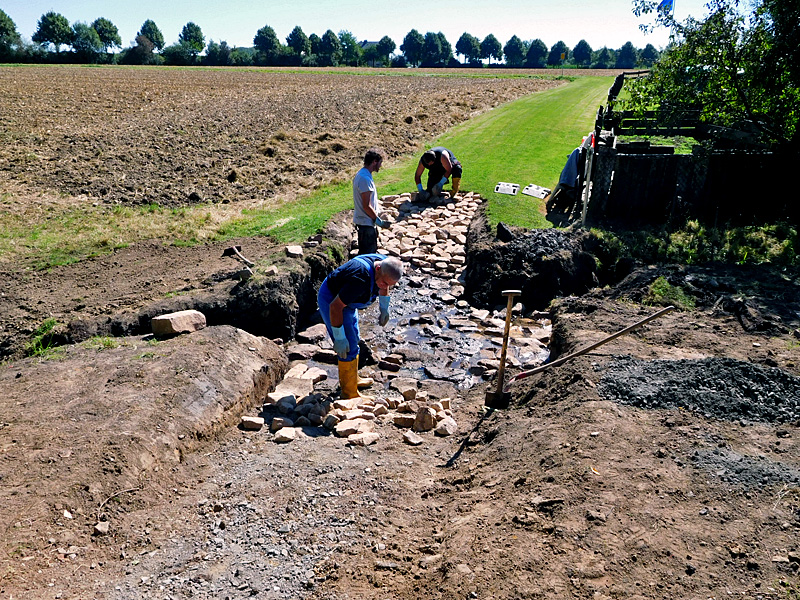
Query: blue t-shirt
pixel 352 281
pixel 569 174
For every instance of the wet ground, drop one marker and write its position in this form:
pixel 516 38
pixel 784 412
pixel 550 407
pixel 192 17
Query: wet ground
pixel 445 341
pixel 433 328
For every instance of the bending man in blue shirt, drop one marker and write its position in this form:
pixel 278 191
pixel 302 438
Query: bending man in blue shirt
pixel 353 286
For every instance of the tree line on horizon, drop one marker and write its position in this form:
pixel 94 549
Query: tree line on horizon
pixel 90 43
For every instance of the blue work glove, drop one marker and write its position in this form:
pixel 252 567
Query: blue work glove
pixel 420 189
pixel 383 301
pixel 340 344
pixel 437 189
pixel 381 223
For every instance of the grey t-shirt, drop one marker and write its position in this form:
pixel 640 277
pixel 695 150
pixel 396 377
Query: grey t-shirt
pixel 363 182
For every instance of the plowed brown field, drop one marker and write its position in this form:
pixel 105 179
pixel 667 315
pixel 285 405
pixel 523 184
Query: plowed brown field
pixel 177 137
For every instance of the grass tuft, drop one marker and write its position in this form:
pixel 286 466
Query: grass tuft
pixel 42 344
pixel 663 293
pixel 101 343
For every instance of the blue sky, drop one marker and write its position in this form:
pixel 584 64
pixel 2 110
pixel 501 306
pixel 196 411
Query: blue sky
pixel 600 22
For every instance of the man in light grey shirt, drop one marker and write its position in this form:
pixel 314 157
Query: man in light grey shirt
pixel 365 203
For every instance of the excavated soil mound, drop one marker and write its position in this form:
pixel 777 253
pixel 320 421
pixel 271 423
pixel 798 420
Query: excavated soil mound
pixel 543 264
pixel 101 431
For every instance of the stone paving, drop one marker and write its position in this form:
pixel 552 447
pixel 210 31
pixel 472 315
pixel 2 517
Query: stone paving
pixel 458 344
pixel 429 235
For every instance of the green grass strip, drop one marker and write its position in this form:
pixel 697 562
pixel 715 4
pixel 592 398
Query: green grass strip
pixel 525 141
pixel 292 221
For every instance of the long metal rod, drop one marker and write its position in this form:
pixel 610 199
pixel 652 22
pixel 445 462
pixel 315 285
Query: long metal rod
pixel 564 359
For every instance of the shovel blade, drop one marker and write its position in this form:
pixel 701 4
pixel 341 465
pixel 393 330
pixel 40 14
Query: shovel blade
pixel 497 400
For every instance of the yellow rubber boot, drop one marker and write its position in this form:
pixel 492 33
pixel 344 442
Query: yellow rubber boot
pixel 456 185
pixel 348 380
pixel 363 382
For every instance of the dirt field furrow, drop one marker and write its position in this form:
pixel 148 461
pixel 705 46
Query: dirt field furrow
pixel 174 138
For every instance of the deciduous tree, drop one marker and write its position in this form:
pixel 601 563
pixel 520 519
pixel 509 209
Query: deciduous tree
pixel 180 54
pixel 192 36
pixel 537 55
pixel 491 48
pixel 649 55
pixel 108 33
pixel 351 49
pixel 385 47
pixel 469 47
pixel 217 54
pixel 554 58
pixel 369 55
pixel 738 64
pixel 53 28
pixel 9 36
pixel 242 57
pixel 446 52
pixel 315 41
pixel 151 31
pixel 604 58
pixel 141 53
pixel 413 46
pixel 431 50
pixel 86 42
pixel 266 41
pixel 627 56
pixel 330 49
pixel 298 41
pixel 582 53
pixel 515 51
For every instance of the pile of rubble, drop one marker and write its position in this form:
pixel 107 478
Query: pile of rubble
pixel 295 405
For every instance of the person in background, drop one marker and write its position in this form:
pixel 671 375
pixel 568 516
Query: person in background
pixel 353 286
pixel 365 203
pixel 441 165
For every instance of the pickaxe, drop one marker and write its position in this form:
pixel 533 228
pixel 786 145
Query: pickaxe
pixel 236 252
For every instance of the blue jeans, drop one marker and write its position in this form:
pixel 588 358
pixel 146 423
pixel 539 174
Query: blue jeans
pixel 349 320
